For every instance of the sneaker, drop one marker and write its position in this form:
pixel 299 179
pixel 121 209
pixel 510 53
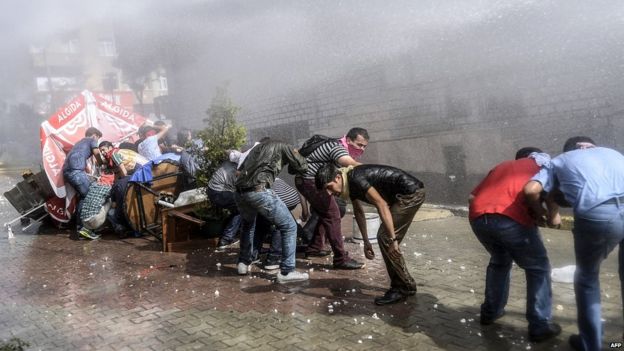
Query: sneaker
pixel 552 330
pixel 291 277
pixel 242 268
pixel 349 264
pixel 86 233
pixel 270 265
pixel 225 243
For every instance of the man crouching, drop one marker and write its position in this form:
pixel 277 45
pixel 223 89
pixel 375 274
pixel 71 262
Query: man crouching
pixel 397 196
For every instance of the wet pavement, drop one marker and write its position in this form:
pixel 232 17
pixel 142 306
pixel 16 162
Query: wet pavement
pixel 111 294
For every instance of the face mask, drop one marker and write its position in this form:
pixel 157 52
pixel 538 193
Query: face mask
pixel 353 151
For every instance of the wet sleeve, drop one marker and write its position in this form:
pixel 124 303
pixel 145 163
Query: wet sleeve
pixel 296 163
pixel 361 182
pixel 545 176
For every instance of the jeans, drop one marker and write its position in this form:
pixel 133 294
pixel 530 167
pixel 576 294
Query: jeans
pixel 507 240
pixel 226 199
pixel 267 204
pixel 403 212
pixel 328 225
pixel 264 228
pixel 79 180
pixel 596 234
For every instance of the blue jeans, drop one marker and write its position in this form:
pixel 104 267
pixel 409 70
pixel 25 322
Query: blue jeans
pixel 596 234
pixel 508 241
pixel 225 199
pixel 264 228
pixel 79 180
pixel 267 204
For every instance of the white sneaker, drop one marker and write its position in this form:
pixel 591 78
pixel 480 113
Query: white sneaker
pixel 242 268
pixel 293 276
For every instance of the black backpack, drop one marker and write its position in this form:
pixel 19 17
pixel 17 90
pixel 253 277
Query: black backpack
pixel 313 143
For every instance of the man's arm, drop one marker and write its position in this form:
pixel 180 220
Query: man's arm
pixel 532 191
pixel 360 219
pixel 346 161
pixel 386 220
pixel 552 208
pixel 305 209
pixel 122 170
pixel 163 130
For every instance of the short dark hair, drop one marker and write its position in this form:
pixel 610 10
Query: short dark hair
pixel 160 123
pixel 106 143
pixel 325 174
pixel 571 144
pixel 354 132
pixel 526 151
pixel 93 131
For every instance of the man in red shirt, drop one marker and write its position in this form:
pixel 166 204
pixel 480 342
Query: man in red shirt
pixel 501 220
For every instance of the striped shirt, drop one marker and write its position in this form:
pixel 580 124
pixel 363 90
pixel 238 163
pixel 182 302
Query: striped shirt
pixel 223 179
pixel 331 151
pixel 286 193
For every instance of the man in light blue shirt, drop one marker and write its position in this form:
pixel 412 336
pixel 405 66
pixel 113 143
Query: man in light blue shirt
pixel 591 180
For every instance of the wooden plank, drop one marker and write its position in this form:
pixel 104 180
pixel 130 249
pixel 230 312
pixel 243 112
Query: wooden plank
pixel 174 213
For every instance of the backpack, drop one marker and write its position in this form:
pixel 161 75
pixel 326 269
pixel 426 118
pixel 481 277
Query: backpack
pixel 313 143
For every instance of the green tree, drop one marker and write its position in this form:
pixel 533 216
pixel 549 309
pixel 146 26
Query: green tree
pixel 222 133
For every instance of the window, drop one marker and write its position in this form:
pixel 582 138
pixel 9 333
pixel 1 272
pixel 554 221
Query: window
pixel 58 83
pixel 163 83
pixel 107 48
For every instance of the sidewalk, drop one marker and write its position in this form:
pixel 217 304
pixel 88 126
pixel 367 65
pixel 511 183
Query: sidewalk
pixel 113 294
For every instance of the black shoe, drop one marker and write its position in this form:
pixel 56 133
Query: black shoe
pixel 225 243
pixel 411 292
pixel 575 342
pixel 349 264
pixel 553 330
pixel 485 320
pixel 321 253
pixel 390 297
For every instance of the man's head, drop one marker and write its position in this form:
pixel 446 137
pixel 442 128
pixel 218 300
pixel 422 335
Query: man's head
pixel 578 142
pixel 233 155
pixel 329 178
pixel 105 147
pixel 526 151
pixel 357 138
pixel 93 132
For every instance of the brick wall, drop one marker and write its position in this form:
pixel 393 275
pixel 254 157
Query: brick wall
pixel 449 130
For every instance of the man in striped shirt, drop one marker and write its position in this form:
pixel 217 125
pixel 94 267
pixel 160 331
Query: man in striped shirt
pixel 324 204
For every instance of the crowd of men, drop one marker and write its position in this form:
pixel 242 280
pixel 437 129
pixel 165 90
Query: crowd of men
pixel 505 210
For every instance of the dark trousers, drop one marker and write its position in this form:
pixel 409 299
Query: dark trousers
pixel 308 228
pixel 403 212
pixel 80 181
pixel 226 199
pixel 508 241
pixel 328 213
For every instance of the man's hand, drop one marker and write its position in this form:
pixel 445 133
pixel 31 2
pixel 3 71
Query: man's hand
pixel 393 250
pixel 368 250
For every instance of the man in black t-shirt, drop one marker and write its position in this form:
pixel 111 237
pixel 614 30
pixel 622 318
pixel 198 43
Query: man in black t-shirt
pixel 397 196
